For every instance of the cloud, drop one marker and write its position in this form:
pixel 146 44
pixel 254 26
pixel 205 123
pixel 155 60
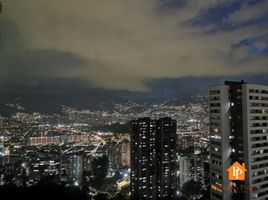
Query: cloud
pixel 249 12
pixel 262 42
pixel 125 44
pixel 33 66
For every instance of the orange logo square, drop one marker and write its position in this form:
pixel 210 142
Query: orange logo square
pixel 237 171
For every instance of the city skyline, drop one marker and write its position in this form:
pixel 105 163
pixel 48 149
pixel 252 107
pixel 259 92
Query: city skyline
pixel 134 99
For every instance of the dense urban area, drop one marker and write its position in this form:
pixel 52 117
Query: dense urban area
pixel 90 150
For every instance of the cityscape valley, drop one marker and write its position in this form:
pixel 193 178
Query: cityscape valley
pixel 134 99
pixel 91 149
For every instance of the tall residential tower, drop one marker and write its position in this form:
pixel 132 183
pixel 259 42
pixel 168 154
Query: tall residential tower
pixel 153 159
pixel 239 133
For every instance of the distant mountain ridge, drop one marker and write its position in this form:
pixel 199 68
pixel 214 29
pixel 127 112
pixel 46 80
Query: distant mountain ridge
pixel 46 103
pixel 52 103
pixel 50 98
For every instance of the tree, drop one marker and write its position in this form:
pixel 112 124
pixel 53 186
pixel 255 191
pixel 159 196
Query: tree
pixel 191 189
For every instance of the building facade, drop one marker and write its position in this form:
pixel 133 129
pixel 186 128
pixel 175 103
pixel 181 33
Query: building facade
pixel 153 159
pixel 184 170
pixel 73 164
pixel 124 154
pixel 239 133
pixel 119 154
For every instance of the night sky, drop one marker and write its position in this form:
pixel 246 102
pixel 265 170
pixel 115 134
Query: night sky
pixel 131 48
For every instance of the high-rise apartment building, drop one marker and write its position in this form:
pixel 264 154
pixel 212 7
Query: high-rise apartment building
pixel 1 153
pixel 184 170
pixel 119 154
pixel 73 163
pixel 124 152
pixel 239 133
pixel 153 159
pixel 113 155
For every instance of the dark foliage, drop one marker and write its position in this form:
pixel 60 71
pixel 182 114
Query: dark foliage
pixel 42 191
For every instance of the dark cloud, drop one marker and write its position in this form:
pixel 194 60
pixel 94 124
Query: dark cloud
pixel 138 49
pixel 11 40
pixel 32 67
pixel 162 89
pixel 215 16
